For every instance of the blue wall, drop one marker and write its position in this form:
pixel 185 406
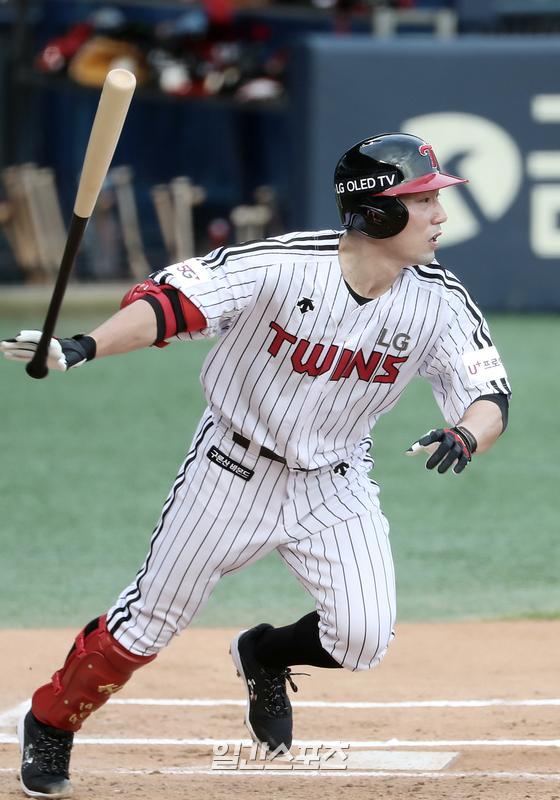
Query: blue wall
pixel 491 109
pixel 490 106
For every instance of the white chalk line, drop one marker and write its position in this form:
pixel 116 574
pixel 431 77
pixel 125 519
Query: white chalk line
pixel 544 777
pixel 382 743
pixel 11 715
pixel 199 702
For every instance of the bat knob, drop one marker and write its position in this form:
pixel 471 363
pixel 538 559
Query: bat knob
pixel 36 369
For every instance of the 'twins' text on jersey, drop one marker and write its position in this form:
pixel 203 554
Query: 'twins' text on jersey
pixel 315 359
pixel 286 319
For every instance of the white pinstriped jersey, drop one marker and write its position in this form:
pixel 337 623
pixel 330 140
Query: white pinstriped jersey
pixel 304 368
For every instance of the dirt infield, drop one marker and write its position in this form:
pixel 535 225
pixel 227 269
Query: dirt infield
pixel 424 691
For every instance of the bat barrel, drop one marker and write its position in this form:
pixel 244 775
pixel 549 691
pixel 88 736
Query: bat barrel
pixel 107 126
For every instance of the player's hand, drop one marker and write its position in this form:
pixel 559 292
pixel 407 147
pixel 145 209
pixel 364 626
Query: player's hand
pixel 63 353
pixel 446 446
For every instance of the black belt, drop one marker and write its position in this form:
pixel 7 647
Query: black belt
pixel 263 451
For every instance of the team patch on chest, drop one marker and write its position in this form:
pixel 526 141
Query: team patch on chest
pixel 379 366
pixel 227 463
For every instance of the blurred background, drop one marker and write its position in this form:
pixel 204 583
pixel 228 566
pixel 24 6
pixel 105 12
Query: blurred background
pixel 243 108
pixel 241 112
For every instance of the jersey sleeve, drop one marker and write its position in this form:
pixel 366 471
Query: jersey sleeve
pixel 218 284
pixel 464 364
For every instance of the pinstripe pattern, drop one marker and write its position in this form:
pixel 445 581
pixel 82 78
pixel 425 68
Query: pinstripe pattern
pixel 327 527
pixel 249 295
pixel 308 383
pixel 117 616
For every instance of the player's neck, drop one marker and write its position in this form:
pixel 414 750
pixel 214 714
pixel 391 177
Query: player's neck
pixel 368 270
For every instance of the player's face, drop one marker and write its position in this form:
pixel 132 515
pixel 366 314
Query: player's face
pixel 417 243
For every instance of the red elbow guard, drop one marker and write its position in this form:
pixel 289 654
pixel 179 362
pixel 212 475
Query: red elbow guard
pixel 174 312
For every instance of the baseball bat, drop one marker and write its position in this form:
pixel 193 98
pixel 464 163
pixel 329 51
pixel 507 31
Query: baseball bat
pixel 128 216
pixel 161 197
pixel 107 126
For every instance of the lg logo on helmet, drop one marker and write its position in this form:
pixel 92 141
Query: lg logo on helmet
pixel 484 149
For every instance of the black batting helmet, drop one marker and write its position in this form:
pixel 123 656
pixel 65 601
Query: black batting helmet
pixel 369 177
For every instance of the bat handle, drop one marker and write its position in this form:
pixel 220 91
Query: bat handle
pixel 37 367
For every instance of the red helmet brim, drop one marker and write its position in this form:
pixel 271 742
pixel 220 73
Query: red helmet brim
pixel 425 183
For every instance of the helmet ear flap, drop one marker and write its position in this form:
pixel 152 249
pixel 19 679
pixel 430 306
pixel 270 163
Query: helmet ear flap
pixel 375 216
pixel 381 218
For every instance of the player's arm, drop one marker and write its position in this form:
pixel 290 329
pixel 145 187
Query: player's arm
pixel 149 315
pixel 131 328
pixel 470 385
pixel 486 420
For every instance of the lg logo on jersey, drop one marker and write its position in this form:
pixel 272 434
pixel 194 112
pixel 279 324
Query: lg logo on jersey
pixel 318 359
pixel 399 341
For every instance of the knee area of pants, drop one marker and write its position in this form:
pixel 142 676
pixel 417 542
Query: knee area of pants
pixel 358 654
pixel 369 660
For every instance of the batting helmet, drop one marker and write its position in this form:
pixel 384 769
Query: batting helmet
pixel 369 177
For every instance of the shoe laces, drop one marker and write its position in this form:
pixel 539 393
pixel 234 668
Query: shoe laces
pixel 51 754
pixel 276 700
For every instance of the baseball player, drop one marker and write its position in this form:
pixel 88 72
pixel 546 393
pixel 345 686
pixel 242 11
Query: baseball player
pixel 318 334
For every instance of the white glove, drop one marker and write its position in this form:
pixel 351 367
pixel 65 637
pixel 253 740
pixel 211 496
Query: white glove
pixel 63 354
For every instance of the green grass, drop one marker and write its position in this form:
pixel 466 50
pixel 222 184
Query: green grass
pixel 87 460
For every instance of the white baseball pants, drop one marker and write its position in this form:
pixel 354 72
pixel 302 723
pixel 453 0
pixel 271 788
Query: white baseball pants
pixel 219 517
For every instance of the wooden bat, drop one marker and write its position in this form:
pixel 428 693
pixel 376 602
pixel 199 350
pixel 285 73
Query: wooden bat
pixel 24 235
pixel 185 197
pixel 268 197
pixel 161 197
pixel 7 225
pixel 128 215
pixel 249 222
pixel 107 126
pixel 52 214
pixel 40 230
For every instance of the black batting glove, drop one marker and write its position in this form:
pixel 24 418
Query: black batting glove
pixel 63 354
pixel 447 446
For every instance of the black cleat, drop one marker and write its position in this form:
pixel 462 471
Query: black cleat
pixel 45 758
pixel 269 711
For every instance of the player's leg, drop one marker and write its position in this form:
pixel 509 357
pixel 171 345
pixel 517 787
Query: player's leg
pixel 216 522
pixel 262 656
pixel 348 568
pixel 340 551
pixel 349 571
pixel 197 538
pixel 96 666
